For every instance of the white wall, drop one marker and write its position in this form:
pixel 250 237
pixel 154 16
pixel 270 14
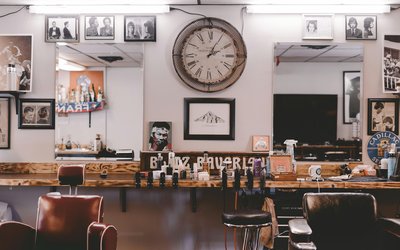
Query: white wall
pixel 316 78
pixel 150 212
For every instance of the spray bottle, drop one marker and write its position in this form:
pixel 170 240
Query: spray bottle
pixel 290 144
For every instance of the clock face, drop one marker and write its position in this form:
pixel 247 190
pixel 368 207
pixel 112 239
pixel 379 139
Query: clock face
pixel 209 55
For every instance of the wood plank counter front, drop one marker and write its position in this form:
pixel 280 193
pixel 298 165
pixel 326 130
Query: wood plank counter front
pixel 121 174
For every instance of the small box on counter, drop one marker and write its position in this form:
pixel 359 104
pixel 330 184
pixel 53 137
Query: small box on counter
pixel 283 176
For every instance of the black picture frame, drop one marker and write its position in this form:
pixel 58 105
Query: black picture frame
pixel 144 28
pixel 390 67
pixel 365 27
pixel 5 123
pixel 36 114
pixel 209 119
pixel 351 96
pixel 58 33
pixel 99 31
pixel 377 121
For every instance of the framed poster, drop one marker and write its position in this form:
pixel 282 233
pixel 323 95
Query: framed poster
pixel 99 27
pixel 140 28
pixel 391 64
pixel 209 119
pixel 318 26
pixel 351 96
pixel 260 143
pixel 160 136
pixel 16 59
pixel 383 115
pixel 36 114
pixel 4 122
pixel 62 29
pixel 361 27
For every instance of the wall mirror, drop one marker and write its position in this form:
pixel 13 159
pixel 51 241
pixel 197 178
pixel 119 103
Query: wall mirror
pixel 99 97
pixel 317 96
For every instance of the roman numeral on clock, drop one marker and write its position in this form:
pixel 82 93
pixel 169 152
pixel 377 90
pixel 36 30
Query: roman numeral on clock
pixel 198 72
pixel 191 64
pixel 210 34
pixel 227 65
pixel 228 45
pixel 200 37
pixel 208 75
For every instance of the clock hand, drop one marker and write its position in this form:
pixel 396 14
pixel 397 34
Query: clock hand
pixel 212 50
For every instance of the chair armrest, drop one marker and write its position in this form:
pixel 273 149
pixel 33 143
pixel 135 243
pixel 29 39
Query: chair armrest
pixel 390 225
pixel 101 237
pixel 17 236
pixel 300 235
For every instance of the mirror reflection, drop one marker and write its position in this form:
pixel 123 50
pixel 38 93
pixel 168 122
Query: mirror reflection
pixel 99 101
pixel 317 93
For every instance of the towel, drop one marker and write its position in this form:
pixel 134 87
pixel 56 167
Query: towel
pixel 267 234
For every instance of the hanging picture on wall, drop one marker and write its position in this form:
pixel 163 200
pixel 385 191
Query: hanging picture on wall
pixel 99 27
pixel 391 64
pixel 160 136
pixel 360 27
pixel 140 28
pixel 4 123
pixel 16 63
pixel 36 114
pixel 383 115
pixel 260 143
pixel 209 119
pixel 318 27
pixel 62 29
pixel 351 96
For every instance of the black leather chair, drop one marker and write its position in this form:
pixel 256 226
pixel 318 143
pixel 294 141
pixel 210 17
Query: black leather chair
pixel 345 221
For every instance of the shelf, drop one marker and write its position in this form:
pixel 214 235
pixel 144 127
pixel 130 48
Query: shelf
pixel 79 107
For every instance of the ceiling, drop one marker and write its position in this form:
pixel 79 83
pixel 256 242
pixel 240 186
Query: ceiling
pixel 89 54
pixel 309 52
pixel 182 2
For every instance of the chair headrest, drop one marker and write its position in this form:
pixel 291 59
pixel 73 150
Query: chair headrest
pixel 72 175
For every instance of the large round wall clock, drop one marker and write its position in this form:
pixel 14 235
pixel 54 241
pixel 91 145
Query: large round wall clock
pixel 209 54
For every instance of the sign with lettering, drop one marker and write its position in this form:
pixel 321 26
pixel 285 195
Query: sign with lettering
pixel 79 107
pixel 380 143
pixel 148 159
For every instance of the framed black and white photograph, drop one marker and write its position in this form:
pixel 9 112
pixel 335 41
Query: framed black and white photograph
pixel 209 119
pixel 36 114
pixel 351 96
pixel 62 29
pixel 4 122
pixel 383 115
pixel 318 26
pixel 99 27
pixel 391 64
pixel 140 28
pixel 16 63
pixel 160 136
pixel 361 27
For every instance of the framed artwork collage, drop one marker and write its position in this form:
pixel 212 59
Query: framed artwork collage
pixel 100 27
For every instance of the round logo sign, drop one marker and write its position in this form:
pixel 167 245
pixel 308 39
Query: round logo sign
pixel 379 143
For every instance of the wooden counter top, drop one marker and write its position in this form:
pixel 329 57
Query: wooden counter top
pixel 127 180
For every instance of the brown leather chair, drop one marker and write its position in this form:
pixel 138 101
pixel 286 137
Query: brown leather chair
pixel 64 222
pixel 345 221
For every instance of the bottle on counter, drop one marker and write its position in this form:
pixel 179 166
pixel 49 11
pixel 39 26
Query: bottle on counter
pixel 257 166
pixel 99 94
pixel 68 144
pixel 391 164
pixel 206 167
pixel 159 161
pixel 14 82
pixel 97 144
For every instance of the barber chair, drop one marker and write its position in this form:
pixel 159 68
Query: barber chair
pixel 345 221
pixel 63 222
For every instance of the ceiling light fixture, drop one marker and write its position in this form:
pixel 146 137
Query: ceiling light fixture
pixel 98 9
pixel 318 9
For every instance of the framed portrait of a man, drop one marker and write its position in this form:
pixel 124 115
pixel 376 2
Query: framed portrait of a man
pixel 383 115
pixel 160 136
pixel 99 27
pixel 140 28
pixel 361 27
pixel 4 122
pixel 351 96
pixel 36 114
pixel 62 29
